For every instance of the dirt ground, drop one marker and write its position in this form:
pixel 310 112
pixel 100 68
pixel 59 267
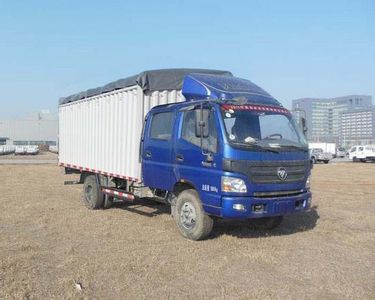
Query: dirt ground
pixel 40 156
pixel 49 243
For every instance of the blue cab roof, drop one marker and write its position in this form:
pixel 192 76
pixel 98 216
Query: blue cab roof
pixel 198 86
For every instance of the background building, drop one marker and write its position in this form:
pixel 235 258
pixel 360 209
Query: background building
pixel 3 141
pixel 35 129
pixel 357 127
pixel 323 116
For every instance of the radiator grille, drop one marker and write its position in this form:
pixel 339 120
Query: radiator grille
pixel 267 171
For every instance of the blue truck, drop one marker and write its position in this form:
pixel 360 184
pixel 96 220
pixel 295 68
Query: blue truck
pixel 224 148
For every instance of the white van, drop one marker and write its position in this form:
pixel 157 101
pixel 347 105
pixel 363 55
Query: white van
pixel 362 153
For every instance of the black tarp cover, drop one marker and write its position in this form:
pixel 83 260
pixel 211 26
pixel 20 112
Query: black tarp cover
pixel 154 80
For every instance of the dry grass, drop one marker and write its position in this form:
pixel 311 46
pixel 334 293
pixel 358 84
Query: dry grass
pixel 49 241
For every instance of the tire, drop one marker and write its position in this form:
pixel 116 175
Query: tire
pixel 326 161
pixel 92 198
pixel 192 222
pixel 355 159
pixel 108 203
pixel 268 223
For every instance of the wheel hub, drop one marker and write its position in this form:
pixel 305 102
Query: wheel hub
pixel 188 215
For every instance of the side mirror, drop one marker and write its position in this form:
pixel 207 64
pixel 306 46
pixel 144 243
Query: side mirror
pixel 201 122
pixel 303 125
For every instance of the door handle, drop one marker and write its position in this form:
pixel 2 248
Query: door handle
pixel 148 154
pixel 180 157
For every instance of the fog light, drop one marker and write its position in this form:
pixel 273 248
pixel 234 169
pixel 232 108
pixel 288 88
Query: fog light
pixel 259 208
pixel 239 207
pixel 309 202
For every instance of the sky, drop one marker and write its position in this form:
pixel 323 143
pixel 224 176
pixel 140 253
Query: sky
pixel 292 49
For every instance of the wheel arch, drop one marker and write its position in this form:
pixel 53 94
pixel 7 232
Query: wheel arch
pixel 183 185
pixel 84 175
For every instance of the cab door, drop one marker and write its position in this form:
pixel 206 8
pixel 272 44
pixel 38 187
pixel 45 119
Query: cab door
pixel 352 152
pixel 191 164
pixel 157 146
pixel 361 152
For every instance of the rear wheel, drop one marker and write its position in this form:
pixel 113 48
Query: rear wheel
pixel 108 202
pixel 326 161
pixel 266 223
pixel 192 222
pixel 91 195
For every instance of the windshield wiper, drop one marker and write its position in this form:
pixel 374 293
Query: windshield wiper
pixel 295 147
pixel 256 146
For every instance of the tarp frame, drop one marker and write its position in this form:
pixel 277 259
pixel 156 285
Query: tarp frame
pixel 149 81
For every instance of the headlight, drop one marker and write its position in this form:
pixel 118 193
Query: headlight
pixel 308 182
pixel 233 185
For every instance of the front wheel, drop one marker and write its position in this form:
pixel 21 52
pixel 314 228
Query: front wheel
pixel 192 222
pixel 268 223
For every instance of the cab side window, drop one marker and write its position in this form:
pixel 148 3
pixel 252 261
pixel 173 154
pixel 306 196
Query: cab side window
pixel 162 125
pixel 188 131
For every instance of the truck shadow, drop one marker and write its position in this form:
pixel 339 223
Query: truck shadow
pixel 291 224
pixel 145 207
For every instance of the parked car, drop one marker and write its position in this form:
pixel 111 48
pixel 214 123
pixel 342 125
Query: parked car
pixel 317 155
pixel 32 150
pixel 53 149
pixel 20 150
pixel 6 149
pixel 362 153
pixel 27 150
pixel 340 152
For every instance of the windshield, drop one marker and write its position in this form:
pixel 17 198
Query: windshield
pixel 264 126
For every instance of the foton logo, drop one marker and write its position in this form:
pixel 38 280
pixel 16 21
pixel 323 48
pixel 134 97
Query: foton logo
pixel 282 173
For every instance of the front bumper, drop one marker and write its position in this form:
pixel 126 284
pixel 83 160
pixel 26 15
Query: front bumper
pixel 252 207
pixel 324 158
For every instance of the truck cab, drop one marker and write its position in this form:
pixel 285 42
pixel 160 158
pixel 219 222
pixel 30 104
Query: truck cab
pixel 340 152
pixel 362 153
pixel 220 154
